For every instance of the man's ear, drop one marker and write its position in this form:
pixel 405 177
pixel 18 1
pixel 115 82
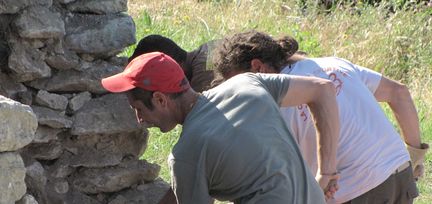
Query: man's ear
pixel 159 99
pixel 256 65
pixel 260 67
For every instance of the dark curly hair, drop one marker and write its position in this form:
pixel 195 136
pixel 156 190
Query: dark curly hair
pixel 236 52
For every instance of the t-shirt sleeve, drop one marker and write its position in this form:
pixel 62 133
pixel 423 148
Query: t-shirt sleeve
pixel 201 75
pixel 188 184
pixel 276 84
pixel 369 77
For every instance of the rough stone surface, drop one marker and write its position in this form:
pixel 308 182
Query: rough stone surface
pixel 27 63
pixel 51 118
pixel 148 193
pixel 85 143
pixel 63 60
pixel 17 125
pixel 25 97
pixel 105 115
pixel 78 81
pixel 100 34
pixel 51 100
pixel 98 6
pixel 39 22
pixel 112 179
pixel 13 6
pixel 64 1
pixel 27 199
pixel 10 88
pixel 61 168
pixel 12 174
pixel 4 47
pixel 61 187
pixel 36 173
pixel 44 151
pixel 79 100
pixel 45 134
pixel 104 150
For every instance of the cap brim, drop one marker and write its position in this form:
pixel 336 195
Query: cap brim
pixel 117 83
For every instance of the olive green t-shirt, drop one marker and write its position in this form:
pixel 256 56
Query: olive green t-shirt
pixel 235 146
pixel 199 68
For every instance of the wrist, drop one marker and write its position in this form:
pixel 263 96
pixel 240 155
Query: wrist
pixel 414 145
pixel 329 174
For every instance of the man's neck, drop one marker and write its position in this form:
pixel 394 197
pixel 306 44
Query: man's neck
pixel 186 102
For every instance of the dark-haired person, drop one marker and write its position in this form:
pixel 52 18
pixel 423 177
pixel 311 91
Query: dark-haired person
pixel 373 162
pixel 193 63
pixel 234 143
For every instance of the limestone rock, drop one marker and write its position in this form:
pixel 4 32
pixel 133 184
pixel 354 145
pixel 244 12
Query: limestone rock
pixel 27 199
pixel 65 1
pixel 13 6
pixel 61 168
pixel 112 179
pixel 77 81
pixel 98 6
pixel 64 61
pixel 44 151
pixel 39 22
pixel 10 88
pixel 27 63
pixel 104 150
pixel 25 97
pixel 12 174
pixel 109 114
pixel 17 125
pixel 104 35
pixel 147 193
pixel 35 174
pixel 51 100
pixel 79 100
pixel 45 134
pixel 4 47
pixel 51 118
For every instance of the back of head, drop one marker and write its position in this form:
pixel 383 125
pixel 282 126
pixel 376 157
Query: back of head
pixel 236 52
pixel 158 43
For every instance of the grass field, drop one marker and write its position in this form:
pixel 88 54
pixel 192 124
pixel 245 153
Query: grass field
pixel 397 44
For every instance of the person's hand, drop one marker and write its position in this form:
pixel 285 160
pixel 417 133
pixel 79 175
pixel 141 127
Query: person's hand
pixel 328 183
pixel 417 156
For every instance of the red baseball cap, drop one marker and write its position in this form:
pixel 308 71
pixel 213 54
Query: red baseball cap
pixel 153 71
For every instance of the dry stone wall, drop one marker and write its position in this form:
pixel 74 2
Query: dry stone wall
pixel 63 138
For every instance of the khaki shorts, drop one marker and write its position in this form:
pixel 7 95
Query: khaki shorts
pixel 399 188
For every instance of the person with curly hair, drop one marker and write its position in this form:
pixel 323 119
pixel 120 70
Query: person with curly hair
pixel 374 164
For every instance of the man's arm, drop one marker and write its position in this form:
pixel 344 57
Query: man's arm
pixel 399 99
pixel 320 95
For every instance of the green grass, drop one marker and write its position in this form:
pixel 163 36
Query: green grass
pixel 398 45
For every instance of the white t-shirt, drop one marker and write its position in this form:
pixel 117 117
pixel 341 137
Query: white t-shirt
pixel 369 148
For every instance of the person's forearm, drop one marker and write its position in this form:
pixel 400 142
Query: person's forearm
pixel 326 116
pixel 406 115
pixel 169 198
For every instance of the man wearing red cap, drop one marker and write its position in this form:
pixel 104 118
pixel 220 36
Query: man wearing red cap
pixel 234 144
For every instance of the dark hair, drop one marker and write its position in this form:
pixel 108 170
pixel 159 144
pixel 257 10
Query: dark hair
pixel 142 95
pixel 237 52
pixel 158 43
pixel 145 96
